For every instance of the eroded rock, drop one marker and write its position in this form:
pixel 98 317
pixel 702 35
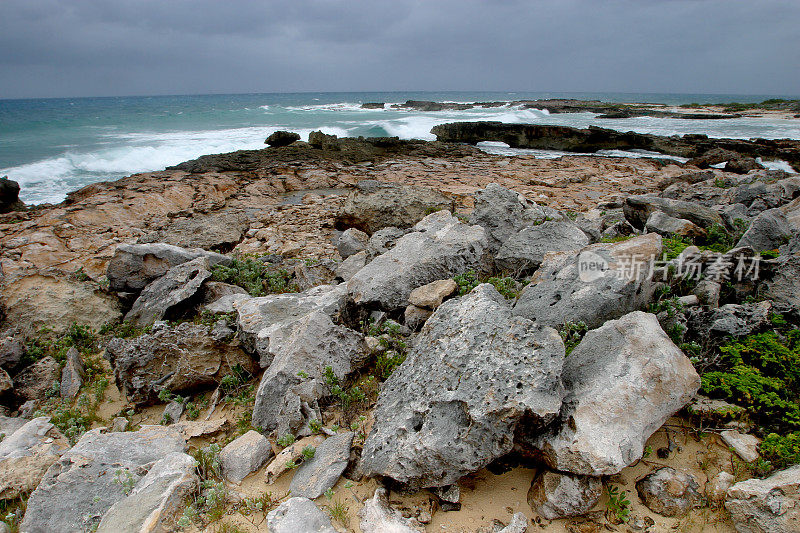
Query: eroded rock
pixel 770 505
pixel 555 495
pixel 669 492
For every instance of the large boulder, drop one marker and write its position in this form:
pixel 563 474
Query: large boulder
pixel 282 138
pixel 623 381
pixel 768 231
pixel 526 249
pixel 169 292
pixel 11 352
pixel 374 205
pixel 665 225
pixel 770 505
pixel 638 209
pixel 9 196
pixel 440 247
pixel 351 241
pixel 598 283
pixel 298 515
pixel 25 455
pixel 475 372
pixel 220 231
pixel 38 380
pixel 134 266
pixel 96 473
pixel 179 359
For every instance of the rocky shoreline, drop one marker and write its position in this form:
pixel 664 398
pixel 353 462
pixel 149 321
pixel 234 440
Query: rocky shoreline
pixel 373 334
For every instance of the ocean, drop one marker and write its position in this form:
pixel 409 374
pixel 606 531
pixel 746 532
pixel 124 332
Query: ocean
pixel 53 146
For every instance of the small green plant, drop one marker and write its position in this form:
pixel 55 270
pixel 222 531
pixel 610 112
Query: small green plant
pixel 338 512
pixel 781 450
pixel 309 452
pixel 466 282
pixel 124 330
pixel 255 277
pixel 192 411
pixel 209 466
pixel 315 426
pixel 286 440
pixel 291 464
pixel 572 334
pixel 124 477
pixel 259 504
pixel 329 494
pixel 618 505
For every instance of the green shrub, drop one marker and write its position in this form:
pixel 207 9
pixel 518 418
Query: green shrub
pixel 255 277
pixel 781 450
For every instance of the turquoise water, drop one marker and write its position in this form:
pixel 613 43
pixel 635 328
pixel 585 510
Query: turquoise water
pixel 53 146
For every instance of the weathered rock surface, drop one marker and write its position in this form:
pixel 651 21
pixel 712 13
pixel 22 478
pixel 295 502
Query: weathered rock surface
pixel 11 352
pixel 717 487
pixel 25 455
pixel 291 453
pixel 744 445
pixel 555 495
pixel 414 317
pixel 377 516
pixel 6 384
pixel 180 358
pixel 282 138
pixel 179 284
pixel 665 225
pixel 440 247
pixel 9 196
pixel 298 515
pixel 638 210
pixel 321 473
pixel 348 268
pixel 81 487
pixel 567 288
pixel 623 381
pixel 156 499
pixel 518 524
pixel 374 205
pixel 736 320
pixel 35 381
pixel 669 492
pixel 526 249
pixel 784 287
pixel 768 231
pixel 474 373
pixel 244 456
pixel 72 375
pixel 770 505
pixel 430 296
pixel 213 231
pixel 351 241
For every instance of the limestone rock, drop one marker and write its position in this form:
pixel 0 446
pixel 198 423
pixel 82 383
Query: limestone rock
pixel 25 455
pixel 665 225
pixel 717 487
pixel 377 516
pixel 474 372
pixel 768 231
pixel 313 274
pixel 623 381
pixel 291 453
pixel 383 240
pixel 244 456
pixel 431 295
pixel 525 250
pixel 36 380
pixel 735 320
pixel 784 287
pixel 213 231
pixel 518 524
pixel 214 290
pixel 173 412
pixel 414 317
pixel 351 241
pixel 555 495
pixel 770 505
pixel 6 384
pixel 11 352
pixel 744 445
pixel 348 268
pixel 321 473
pixel 72 375
pixel 669 492
pixel 298 515
pixel 638 209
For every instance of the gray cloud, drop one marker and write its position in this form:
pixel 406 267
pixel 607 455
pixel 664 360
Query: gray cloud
pixel 122 47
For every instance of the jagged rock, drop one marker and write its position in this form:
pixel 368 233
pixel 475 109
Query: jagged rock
pixel 199 428
pixel 348 268
pixel 260 318
pixel 291 453
pixel 155 500
pixel 431 295
pixel 36 380
pixel 623 381
pixel 555 495
pixel 518 524
pixel 25 455
pixel 382 241
pixel 377 516
pixel 221 331
pixel 503 212
pixel 8 425
pixel 717 487
pixel 226 304
pixel 669 492
pixel 317 139
pixel 599 283
pixel 282 138
pixel 214 231
pixel 374 205
pixel 6 384
pixel 134 266
pixel 312 274
pixel 708 292
pixel 308 345
pixel 9 196
pixel 744 445
pixel 180 358
pixel 321 473
pixel 244 456
pixel 526 249
pixel 666 225
pixel 351 241
pixel 770 505
pixel 474 373
pixel 72 375
pixel 617 230
pixel 440 247
pixel 11 352
pixel 735 320
pixel 173 412
pixel 742 165
pixel 638 209
pixel 768 231
pixel 213 291
pixel 173 289
pixel 298 515
pixel 119 424
pixel 78 489
pixel 414 317
pixel 784 287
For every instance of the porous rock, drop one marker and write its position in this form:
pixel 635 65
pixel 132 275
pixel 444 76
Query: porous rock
pixel 320 473
pixel 556 495
pixel 770 505
pixel 669 492
pixel 526 249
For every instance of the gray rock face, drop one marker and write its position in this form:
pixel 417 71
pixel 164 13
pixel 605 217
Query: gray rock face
pixel 452 407
pixel 378 517
pixel 440 247
pixel 156 499
pixel 348 268
pixel 310 344
pixel 555 495
pixel 736 320
pixel 623 381
pixel 78 489
pixel 666 225
pixel 35 381
pixel 430 296
pixel 134 266
pixel 244 456
pixel 414 317
pixel 382 241
pixel 669 492
pixel 173 412
pixel 525 250
pixel 11 352
pixel 72 375
pixel 179 284
pixel 314 274
pixel 638 209
pixel 566 289
pixel 351 241
pixel 768 231
pixel 26 453
pixel 180 358
pixel 298 515
pixel 321 473
pixel 770 505
pixel 784 287
pixel 374 205
pixel 214 231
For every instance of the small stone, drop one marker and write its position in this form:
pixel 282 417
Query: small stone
pixel 555 495
pixel 348 268
pixel 669 492
pixel 430 296
pixel 707 292
pixel 119 424
pixel 298 515
pixel 5 382
pixel 415 317
pixel 717 487
pixel 518 524
pixel 72 375
pixel 321 473
pixel 451 494
pixel 377 516
pixel 282 138
pixel 351 242
pixel 744 445
pixel 172 413
pixel 244 456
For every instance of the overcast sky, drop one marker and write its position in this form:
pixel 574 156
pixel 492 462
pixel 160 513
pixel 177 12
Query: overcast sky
pixel 132 47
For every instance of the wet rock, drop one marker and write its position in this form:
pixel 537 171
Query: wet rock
pixel 351 241
pixel 88 480
pixel 134 266
pixel 39 379
pixel 244 456
pixel 666 226
pixel 348 268
pixel 669 492
pixel 599 283
pixel 638 210
pixel 377 516
pixel 474 373
pixel 744 445
pixel 321 473
pixel 72 375
pixel 414 317
pixel 555 495
pixel 375 205
pixel 11 352
pixel 770 505
pixel 25 455
pixel 526 249
pixel 623 381
pixel 768 231
pixel 9 196
pixel 431 295
pixel 180 359
pixel 298 515
pixel 282 138
pixel 440 247
pixel 156 500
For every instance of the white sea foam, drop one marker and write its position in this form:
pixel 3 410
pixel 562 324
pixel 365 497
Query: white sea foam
pixel 778 164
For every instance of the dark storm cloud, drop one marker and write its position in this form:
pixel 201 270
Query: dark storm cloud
pixel 119 47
